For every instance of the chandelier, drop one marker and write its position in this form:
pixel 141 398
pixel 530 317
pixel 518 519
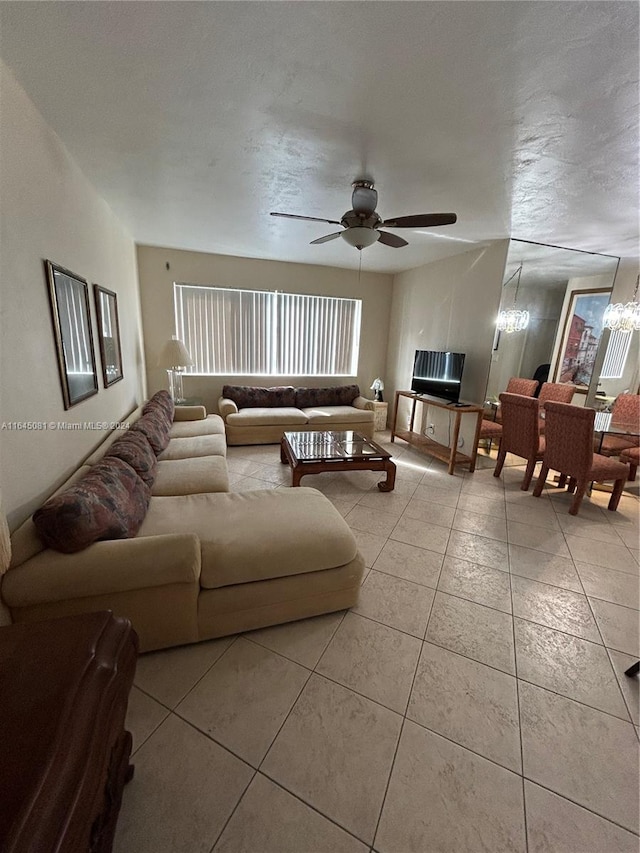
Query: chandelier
pixel 513 320
pixel 623 318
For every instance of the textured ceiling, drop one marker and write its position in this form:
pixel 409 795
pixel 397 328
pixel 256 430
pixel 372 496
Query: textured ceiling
pixel 194 120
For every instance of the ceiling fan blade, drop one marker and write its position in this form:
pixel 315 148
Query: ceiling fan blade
pixel 392 240
pixel 307 218
pixel 325 239
pixel 421 220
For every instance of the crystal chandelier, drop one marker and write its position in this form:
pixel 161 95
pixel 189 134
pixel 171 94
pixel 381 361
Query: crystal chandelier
pixel 623 318
pixel 513 320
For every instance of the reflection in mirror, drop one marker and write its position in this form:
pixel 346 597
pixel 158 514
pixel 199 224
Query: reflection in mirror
pixel 557 338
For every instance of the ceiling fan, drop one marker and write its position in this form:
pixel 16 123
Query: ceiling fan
pixel 361 225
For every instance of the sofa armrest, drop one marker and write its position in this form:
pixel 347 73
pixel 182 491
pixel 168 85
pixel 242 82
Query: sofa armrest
pixel 226 407
pixel 104 568
pixel 363 403
pixel 189 413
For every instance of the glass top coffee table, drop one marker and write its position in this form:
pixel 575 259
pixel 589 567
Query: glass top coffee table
pixel 321 451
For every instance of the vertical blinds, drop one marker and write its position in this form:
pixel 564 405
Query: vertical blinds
pixel 73 325
pixel 616 355
pixel 248 332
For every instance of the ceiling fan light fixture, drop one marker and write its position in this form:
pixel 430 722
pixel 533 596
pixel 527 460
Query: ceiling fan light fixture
pixel 360 238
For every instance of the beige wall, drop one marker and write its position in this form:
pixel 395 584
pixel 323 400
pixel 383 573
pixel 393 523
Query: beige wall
pixel 156 293
pixel 49 210
pixel 450 304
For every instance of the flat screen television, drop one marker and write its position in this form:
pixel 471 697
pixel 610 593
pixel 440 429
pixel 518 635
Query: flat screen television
pixel 438 374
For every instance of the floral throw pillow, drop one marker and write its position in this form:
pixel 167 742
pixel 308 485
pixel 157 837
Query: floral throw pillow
pixel 109 502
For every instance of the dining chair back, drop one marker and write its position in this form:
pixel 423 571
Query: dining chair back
pixel 625 411
pixel 569 450
pixel 518 385
pixel 558 392
pixel 520 434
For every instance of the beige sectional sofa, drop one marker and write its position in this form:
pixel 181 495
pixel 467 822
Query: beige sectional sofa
pixel 203 562
pixel 256 415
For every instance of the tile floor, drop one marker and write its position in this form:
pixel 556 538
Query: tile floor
pixel 474 700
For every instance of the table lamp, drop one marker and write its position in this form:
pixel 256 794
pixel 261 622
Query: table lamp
pixel 378 388
pixel 174 358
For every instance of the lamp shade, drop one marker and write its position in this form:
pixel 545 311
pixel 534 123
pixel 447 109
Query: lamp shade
pixel 174 354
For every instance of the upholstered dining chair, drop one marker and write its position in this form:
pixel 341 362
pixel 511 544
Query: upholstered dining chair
pixel 625 410
pixel 520 434
pixel 518 385
pixel 569 450
pixel 632 456
pixel 491 431
pixel 557 392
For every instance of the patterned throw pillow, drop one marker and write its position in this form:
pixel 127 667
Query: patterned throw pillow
pixel 337 395
pixel 252 396
pixel 155 427
pixel 162 401
pixel 134 449
pixel 109 502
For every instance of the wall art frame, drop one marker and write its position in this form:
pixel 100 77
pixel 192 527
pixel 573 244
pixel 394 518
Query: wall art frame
pixel 73 336
pixel 108 334
pixel 581 336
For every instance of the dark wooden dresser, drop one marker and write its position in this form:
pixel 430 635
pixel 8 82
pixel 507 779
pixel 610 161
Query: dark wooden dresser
pixel 64 753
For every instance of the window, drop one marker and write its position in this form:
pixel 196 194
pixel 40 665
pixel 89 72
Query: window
pixel 255 332
pixel 616 355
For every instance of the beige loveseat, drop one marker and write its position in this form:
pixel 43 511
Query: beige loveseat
pixel 203 563
pixel 256 415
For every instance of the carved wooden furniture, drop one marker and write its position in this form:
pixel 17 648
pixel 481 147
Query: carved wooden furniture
pixel 319 452
pixel 448 454
pixel 64 753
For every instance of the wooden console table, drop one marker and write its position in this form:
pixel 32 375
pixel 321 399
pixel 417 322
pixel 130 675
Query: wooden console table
pixel 64 754
pixel 450 455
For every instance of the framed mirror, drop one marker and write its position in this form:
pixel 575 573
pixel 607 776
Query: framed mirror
pixel 550 285
pixel 69 300
pixel 108 334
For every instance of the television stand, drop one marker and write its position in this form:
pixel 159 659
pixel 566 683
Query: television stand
pixel 450 455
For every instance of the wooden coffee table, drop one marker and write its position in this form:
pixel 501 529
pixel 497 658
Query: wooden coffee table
pixel 318 452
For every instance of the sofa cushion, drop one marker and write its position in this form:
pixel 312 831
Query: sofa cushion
pixel 191 476
pixel 211 425
pixel 336 395
pixel 134 449
pixel 109 502
pixel 264 417
pixel 248 536
pixel 161 402
pixel 156 428
pixel 252 396
pixel 338 415
pixel 200 445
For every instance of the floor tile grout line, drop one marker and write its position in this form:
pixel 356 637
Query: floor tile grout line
pixel 311 806
pixel 233 810
pixel 515 664
pixel 615 675
pixel 581 805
